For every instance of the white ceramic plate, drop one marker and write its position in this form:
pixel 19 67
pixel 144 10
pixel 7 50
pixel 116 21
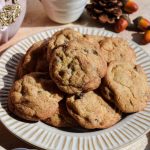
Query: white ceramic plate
pixel 47 137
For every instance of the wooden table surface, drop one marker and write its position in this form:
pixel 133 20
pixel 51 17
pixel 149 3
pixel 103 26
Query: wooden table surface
pixel 36 21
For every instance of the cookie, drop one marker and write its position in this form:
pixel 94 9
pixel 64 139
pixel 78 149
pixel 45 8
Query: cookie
pixel 106 92
pixel 60 38
pixel 116 49
pixel 126 85
pixel 91 111
pixel 35 60
pixel 94 38
pixel 77 66
pixel 61 118
pixel 34 97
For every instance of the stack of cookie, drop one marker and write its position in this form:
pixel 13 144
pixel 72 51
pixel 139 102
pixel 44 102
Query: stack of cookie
pixel 75 80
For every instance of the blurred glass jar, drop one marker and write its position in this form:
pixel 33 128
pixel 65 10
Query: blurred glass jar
pixel 64 11
pixel 7 32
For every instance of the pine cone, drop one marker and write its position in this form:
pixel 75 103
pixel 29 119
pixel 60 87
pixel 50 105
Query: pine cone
pixel 105 11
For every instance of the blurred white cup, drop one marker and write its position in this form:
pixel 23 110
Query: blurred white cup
pixel 64 11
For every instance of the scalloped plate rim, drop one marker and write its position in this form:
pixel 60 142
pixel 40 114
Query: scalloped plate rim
pixel 74 134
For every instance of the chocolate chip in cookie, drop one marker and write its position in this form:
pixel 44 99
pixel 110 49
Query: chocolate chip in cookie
pixel 77 67
pixel 114 49
pixel 92 112
pixel 62 38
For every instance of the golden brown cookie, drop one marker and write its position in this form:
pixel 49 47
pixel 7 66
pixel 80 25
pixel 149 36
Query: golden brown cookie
pixel 114 49
pixel 126 85
pixel 95 38
pixel 77 66
pixel 106 92
pixel 60 38
pixel 34 97
pixel 35 60
pixel 61 118
pixel 91 111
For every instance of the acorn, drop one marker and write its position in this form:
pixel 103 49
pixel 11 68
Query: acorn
pixel 141 23
pixel 130 6
pixel 121 24
pixel 147 36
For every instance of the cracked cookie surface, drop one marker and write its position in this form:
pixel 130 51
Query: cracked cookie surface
pixel 35 59
pixel 94 38
pixel 77 66
pixel 126 85
pixel 91 111
pixel 34 97
pixel 116 49
pixel 60 38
